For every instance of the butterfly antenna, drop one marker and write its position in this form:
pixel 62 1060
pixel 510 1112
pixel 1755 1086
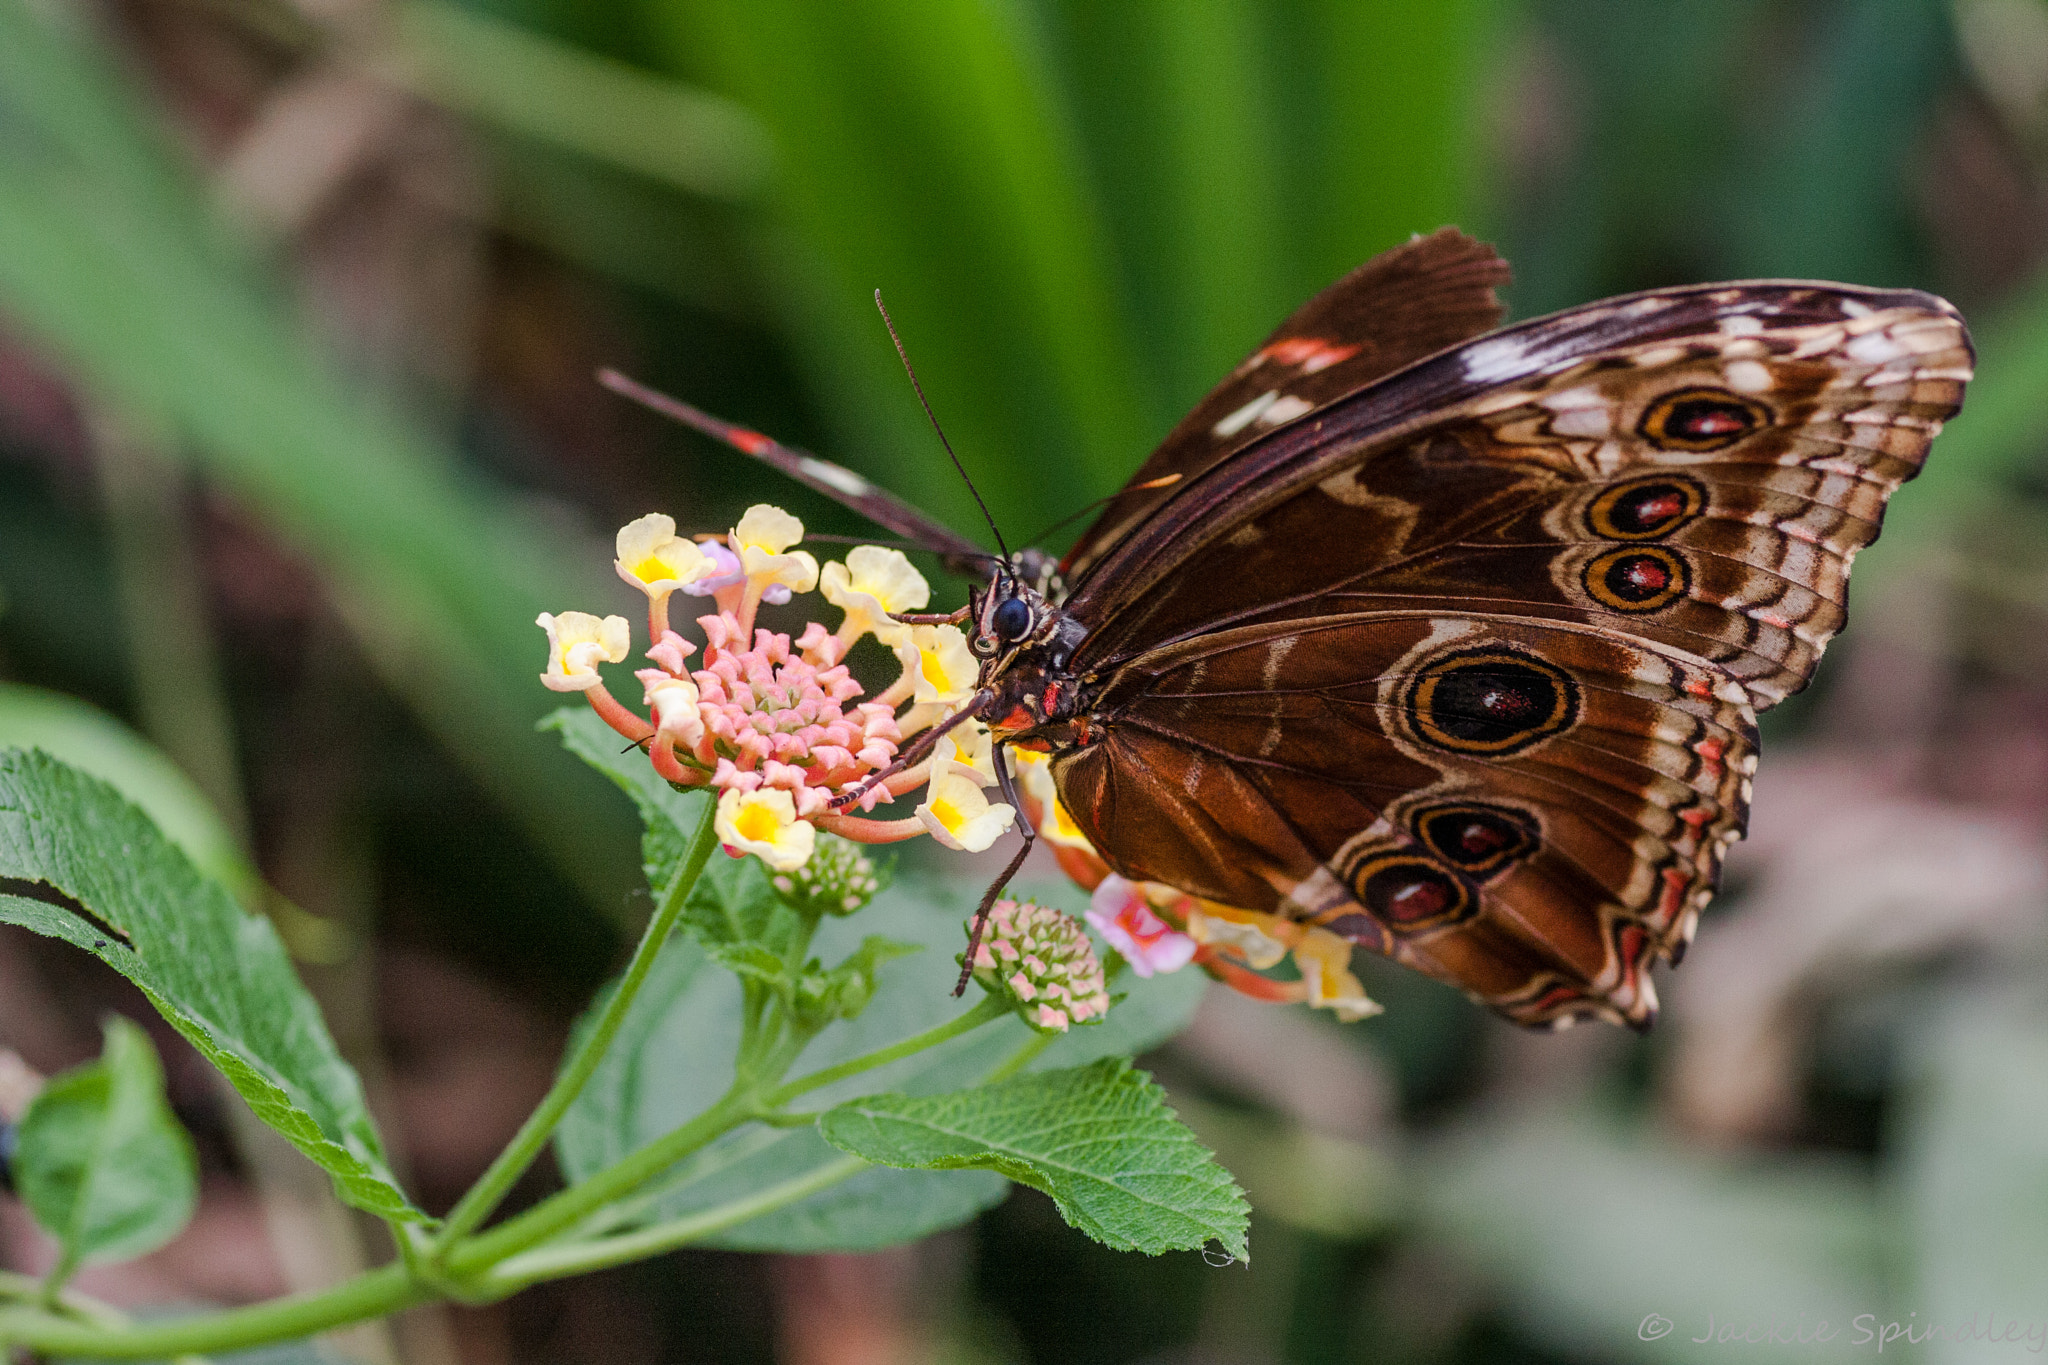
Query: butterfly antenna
pixel 1165 481
pixel 932 417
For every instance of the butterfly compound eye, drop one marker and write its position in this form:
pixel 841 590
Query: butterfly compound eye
pixel 1012 619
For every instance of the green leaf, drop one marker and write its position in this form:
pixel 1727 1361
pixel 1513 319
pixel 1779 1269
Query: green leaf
pixel 734 905
pixel 601 108
pixel 129 896
pixel 673 1058
pixel 94 742
pixel 101 1161
pixel 844 992
pixel 668 817
pixel 114 264
pixel 1099 1139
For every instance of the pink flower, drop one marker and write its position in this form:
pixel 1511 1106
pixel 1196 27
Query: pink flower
pixel 1119 913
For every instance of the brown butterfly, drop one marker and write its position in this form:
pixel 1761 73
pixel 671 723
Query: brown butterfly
pixel 1449 639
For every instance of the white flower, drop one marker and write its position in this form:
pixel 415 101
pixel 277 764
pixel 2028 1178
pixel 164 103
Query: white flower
pixel 577 643
pixel 872 583
pixel 945 668
pixel 762 541
pixel 674 703
pixel 960 817
pixel 763 822
pixel 654 559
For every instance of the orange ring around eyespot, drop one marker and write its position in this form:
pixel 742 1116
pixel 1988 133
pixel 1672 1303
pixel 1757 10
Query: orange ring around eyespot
pixel 1646 509
pixel 1627 580
pixel 1410 894
pixel 1701 418
pixel 1485 689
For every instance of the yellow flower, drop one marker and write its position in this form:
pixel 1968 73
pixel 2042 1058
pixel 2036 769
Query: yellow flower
pixel 654 559
pixel 965 749
pixel 1243 933
pixel 1054 825
pixel 764 824
pixel 1325 963
pixel 872 583
pixel 959 816
pixel 945 668
pixel 577 643
pixel 762 541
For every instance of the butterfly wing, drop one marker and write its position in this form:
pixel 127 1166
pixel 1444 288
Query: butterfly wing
pixel 1524 810
pixel 1400 306
pixel 1538 585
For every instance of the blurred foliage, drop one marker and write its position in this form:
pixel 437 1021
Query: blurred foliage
pixel 1081 213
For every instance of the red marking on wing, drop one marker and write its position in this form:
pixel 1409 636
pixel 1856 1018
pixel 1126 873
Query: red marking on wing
pixel 752 442
pixel 1698 687
pixel 1311 353
pixel 1696 816
pixel 1673 899
pixel 1710 751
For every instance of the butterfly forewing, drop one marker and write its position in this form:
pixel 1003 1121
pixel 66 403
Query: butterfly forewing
pixel 1465 665
pixel 1398 307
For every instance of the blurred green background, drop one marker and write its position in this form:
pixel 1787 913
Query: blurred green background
pixel 300 302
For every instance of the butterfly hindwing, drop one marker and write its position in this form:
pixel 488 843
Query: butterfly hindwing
pixel 1528 811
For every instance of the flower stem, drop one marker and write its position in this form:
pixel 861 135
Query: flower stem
pixel 572 1205
pixel 990 1008
pixel 551 1263
pixel 370 1295
pixel 1021 1058
pixel 526 1145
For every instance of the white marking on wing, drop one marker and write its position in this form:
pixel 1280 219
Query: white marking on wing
pixel 1489 362
pixel 1875 348
pixel 1246 415
pixel 1746 376
pixel 1284 410
pixel 1739 324
pixel 1592 422
pixel 845 480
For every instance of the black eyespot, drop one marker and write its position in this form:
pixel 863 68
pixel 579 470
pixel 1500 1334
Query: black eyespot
pixel 1012 619
pixel 1701 419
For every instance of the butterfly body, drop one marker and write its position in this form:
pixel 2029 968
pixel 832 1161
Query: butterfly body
pixel 1451 640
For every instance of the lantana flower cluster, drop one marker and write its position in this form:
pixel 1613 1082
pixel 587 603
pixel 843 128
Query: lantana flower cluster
pixel 1042 960
pixel 776 725
pixel 1158 928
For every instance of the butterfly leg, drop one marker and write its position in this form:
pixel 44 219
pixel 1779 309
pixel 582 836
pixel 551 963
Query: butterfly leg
pixel 988 899
pixel 920 748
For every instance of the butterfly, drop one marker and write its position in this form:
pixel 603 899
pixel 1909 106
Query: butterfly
pixel 1451 638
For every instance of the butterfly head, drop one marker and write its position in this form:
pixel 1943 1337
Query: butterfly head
pixel 1026 643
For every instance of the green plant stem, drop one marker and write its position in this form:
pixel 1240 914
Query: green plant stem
pixel 533 1135
pixel 1021 1058
pixel 988 1010
pixel 27 1287
pixel 370 1295
pixel 551 1263
pixel 578 1202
